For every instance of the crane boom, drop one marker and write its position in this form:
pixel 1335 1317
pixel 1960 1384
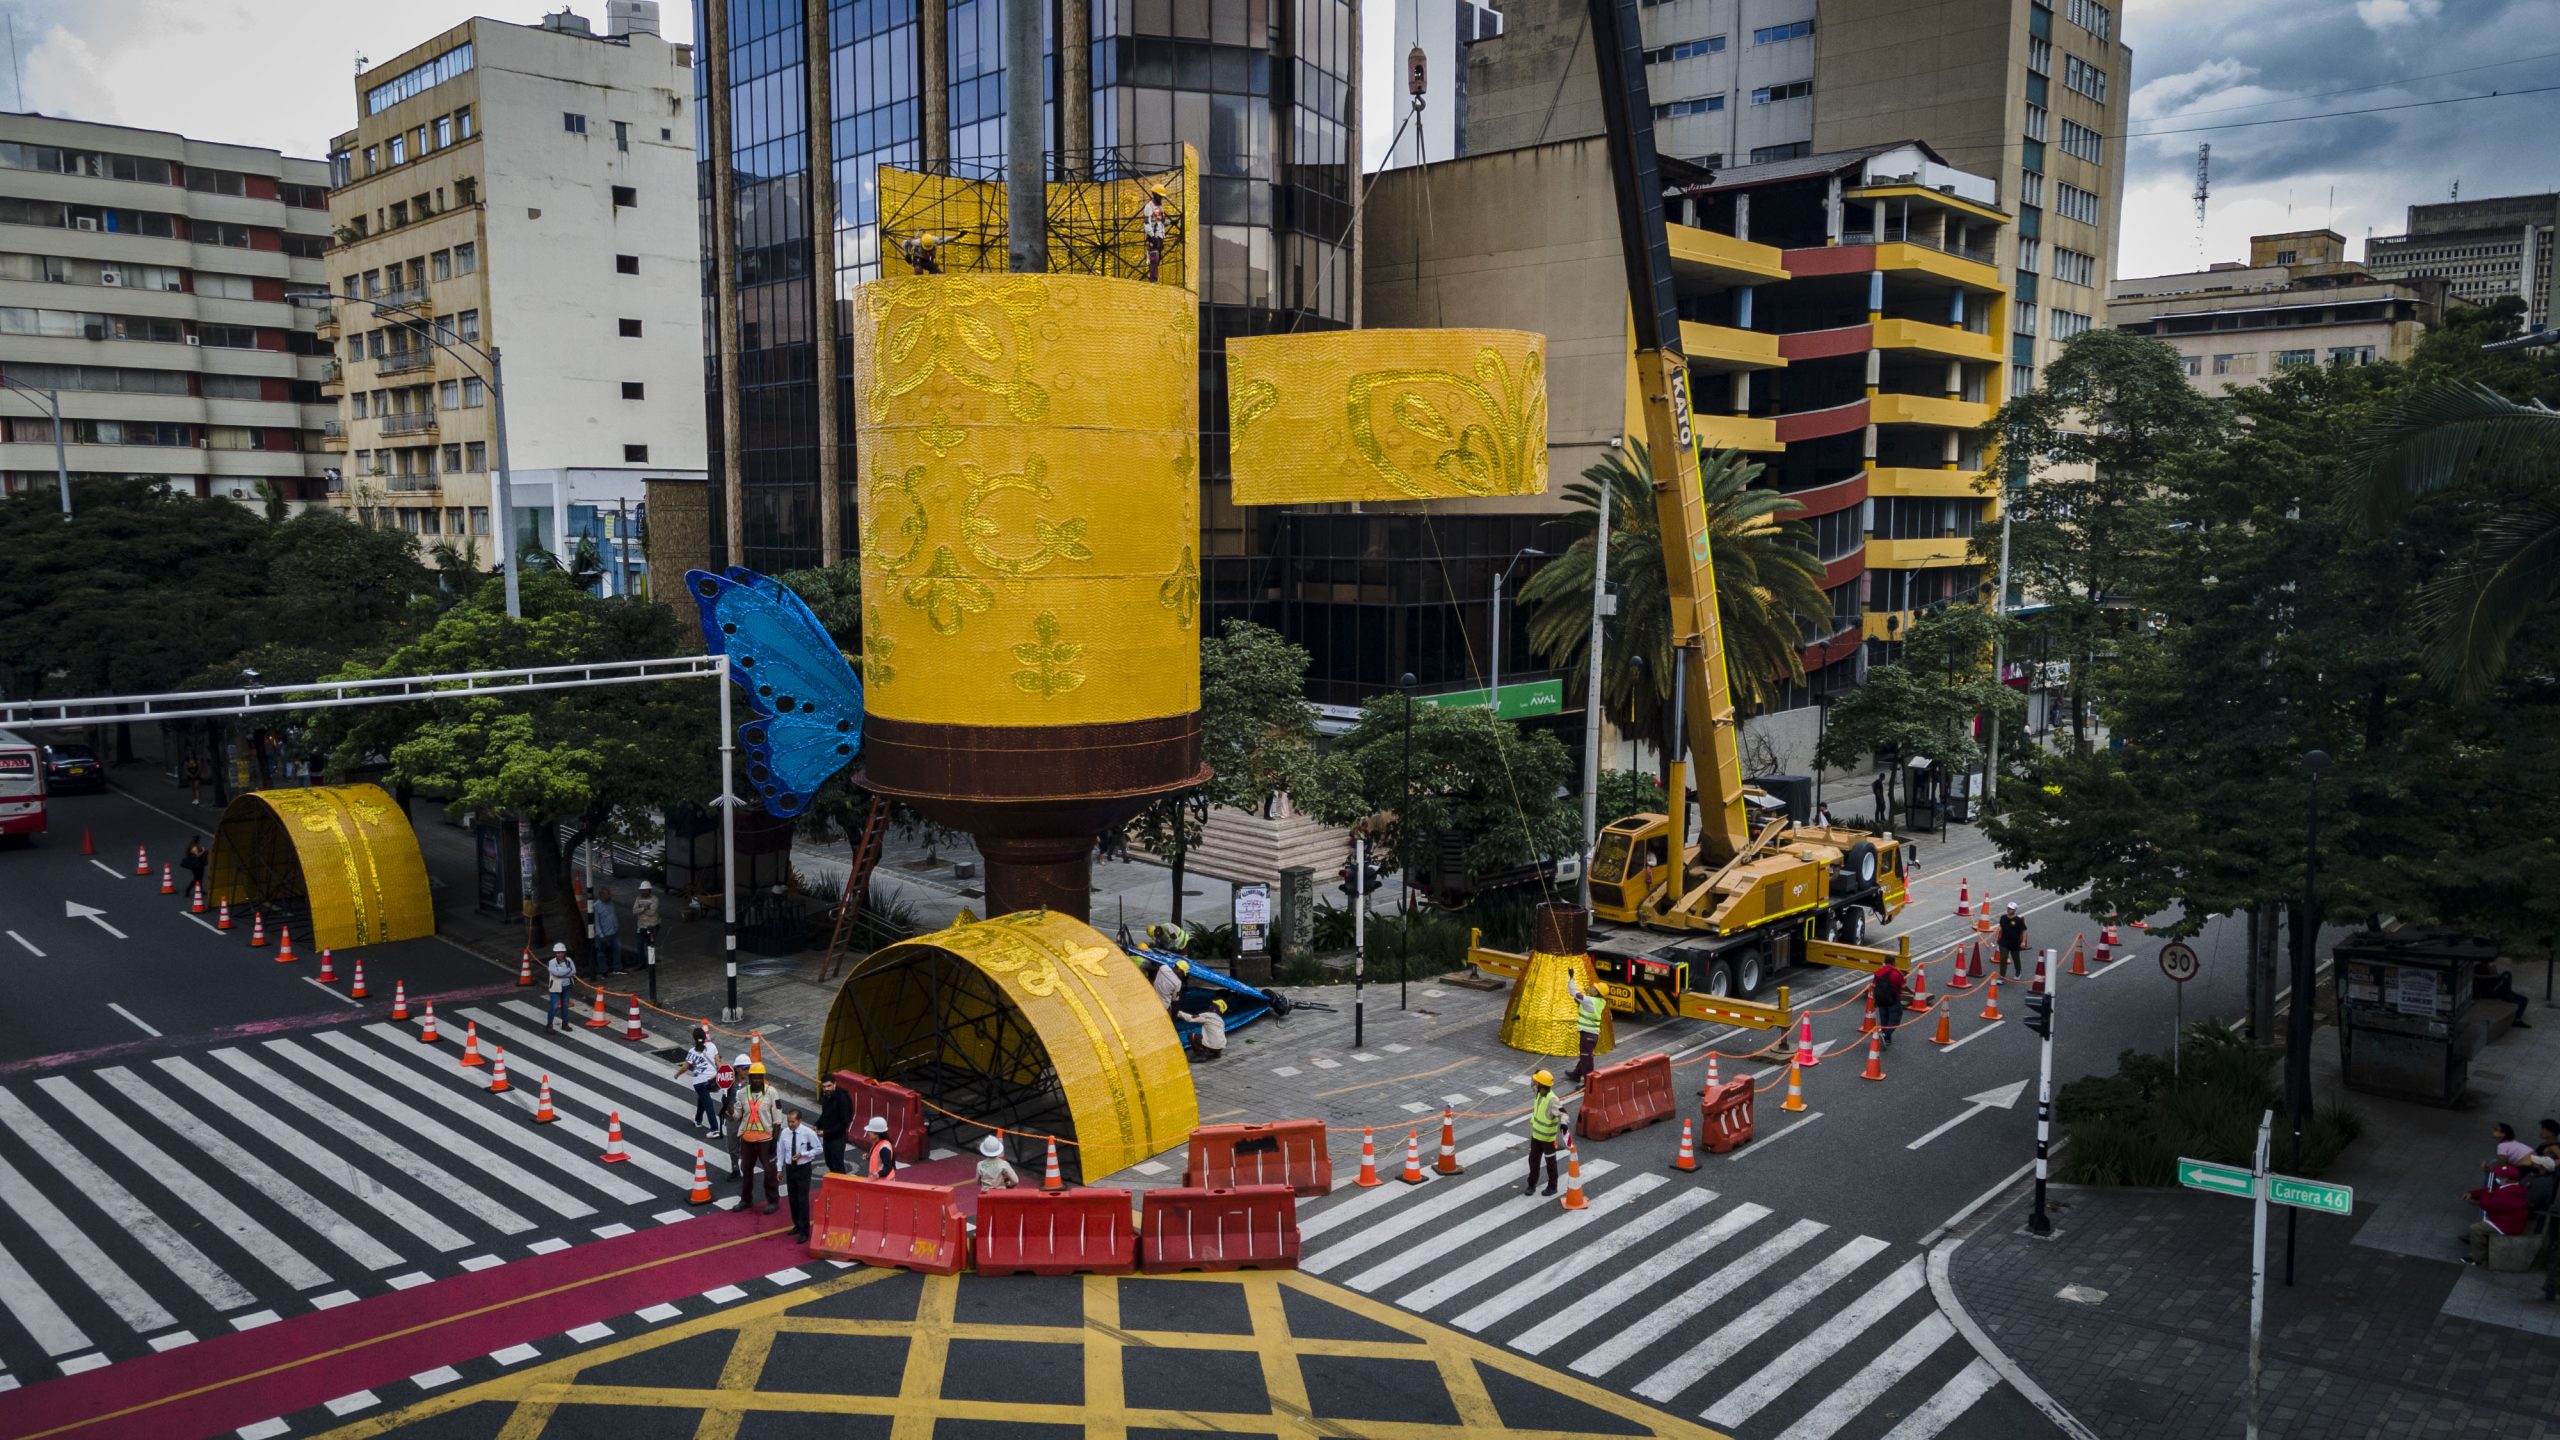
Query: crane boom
pixel 1680 509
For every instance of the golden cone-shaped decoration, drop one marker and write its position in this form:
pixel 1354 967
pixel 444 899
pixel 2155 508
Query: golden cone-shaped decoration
pixel 1540 1016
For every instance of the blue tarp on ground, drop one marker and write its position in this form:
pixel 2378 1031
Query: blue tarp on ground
pixel 1245 1003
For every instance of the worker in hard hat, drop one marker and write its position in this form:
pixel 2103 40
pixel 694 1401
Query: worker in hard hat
pixel 758 1117
pixel 1210 1040
pixel 923 254
pixel 1168 981
pixel 994 1171
pixel 1546 1127
pixel 1157 223
pixel 880 1156
pixel 1590 1008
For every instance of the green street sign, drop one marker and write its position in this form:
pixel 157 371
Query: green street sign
pixel 2311 1195
pixel 1527 700
pixel 2220 1179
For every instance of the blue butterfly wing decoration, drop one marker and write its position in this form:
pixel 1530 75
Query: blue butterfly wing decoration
pixel 807 699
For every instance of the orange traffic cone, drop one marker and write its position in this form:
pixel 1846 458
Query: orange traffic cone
pixel 2079 962
pixel 2107 936
pixel 1943 1037
pixel 2037 987
pixel 597 1020
pixel 1991 1006
pixel 1795 1089
pixel 222 920
pixel 1964 897
pixel 631 1028
pixel 258 930
pixel 524 968
pixel 471 1043
pixel 328 967
pixel 141 861
pixel 1573 1179
pixel 1448 1162
pixel 168 881
pixel 614 1154
pixel 1960 981
pixel 1920 1001
pixel 543 1114
pixel 1687 1159
pixel 1805 1056
pixel 2106 944
pixel 498 1073
pixel 1412 1158
pixel 399 997
pixel 88 846
pixel 1052 1179
pixel 1982 919
pixel 284 953
pixel 427 1031
pixel 356 987
pixel 1712 1081
pixel 701 1181
pixel 1368 1158
pixel 1875 1059
pixel 1867 1026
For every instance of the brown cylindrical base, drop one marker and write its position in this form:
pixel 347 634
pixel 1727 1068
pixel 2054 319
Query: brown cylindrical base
pixel 1560 929
pixel 1031 872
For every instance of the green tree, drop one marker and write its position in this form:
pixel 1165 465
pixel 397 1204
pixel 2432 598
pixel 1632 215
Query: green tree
pixel 1482 789
pixel 1925 703
pixel 1768 584
pixel 141 588
pixel 334 586
pixel 2085 454
pixel 1630 792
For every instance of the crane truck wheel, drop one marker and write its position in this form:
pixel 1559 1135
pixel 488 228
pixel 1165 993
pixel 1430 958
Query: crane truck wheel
pixel 1750 970
pixel 1859 865
pixel 1719 979
pixel 1849 925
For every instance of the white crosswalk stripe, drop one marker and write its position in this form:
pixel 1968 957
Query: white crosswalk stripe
pixel 104 1277
pixel 155 1232
pixel 1417 1256
pixel 1772 1380
pixel 35 1311
pixel 1894 1361
pixel 1693 1365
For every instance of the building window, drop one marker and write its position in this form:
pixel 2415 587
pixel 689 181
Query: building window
pixel 372 159
pixel 625 196
pixel 2080 75
pixel 2074 203
pixel 2022 378
pixel 1685 50
pixel 2067 323
pixel 634 390
pixel 2351 355
pixel 449 395
pixel 399 213
pixel 227 337
pixel 1792 30
pixel 474 395
pixel 440 265
pixel 444 131
pixel 462 122
pixel 2073 268
pixel 2287 359
pixel 2030 221
pixel 2040 57
pixel 2191 365
pixel 2030 188
pixel 1797 150
pixel 1792 90
pixel 621 134
pixel 2080 140
pixel 626 264
pixel 2031 156
pixel 2093 17
pixel 356 403
pixel 2224 364
pixel 574 124
pixel 468 325
pixel 475 458
pixel 2025 322
pixel 630 329
pixel 399 149
pixel 453 459
pixel 1702 105
pixel 466 258
pixel 635 454
pixel 479 519
pixel 2035 122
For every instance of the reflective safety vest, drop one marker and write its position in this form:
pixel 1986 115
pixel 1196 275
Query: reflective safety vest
pixel 1543 1119
pixel 1592 1008
pixel 758 1122
pixel 884 1160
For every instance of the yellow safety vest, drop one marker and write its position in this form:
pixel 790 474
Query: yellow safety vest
pixel 758 1124
pixel 1592 1007
pixel 1542 1118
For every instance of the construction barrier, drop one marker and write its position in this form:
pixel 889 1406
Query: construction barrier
pixel 1056 1232
pixel 1252 1227
pixel 1725 1115
pixel 889 1222
pixel 901 1107
pixel 1626 1096
pixel 1283 1152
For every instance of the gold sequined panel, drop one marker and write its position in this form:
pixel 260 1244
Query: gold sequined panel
pixel 346 850
pixel 1387 415
pixel 954 225
pixel 1030 498
pixel 1540 1016
pixel 1104 1032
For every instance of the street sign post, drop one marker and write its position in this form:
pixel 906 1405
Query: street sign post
pixel 2219 1179
pixel 2179 961
pixel 2311 1195
pixel 2261 1188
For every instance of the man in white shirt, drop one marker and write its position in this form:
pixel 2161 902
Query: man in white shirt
pixel 1211 1041
pixel 701 1065
pixel 563 970
pixel 798 1149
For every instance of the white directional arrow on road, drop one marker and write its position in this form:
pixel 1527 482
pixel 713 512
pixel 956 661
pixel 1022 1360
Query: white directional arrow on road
pixel 73 909
pixel 2004 1098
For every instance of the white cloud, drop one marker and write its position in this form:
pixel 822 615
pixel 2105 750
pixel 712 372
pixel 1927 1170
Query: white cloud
pixel 2392 14
pixel 2224 81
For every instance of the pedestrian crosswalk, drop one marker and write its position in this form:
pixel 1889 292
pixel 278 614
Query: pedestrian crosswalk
pixel 151 1202
pixel 1765 1326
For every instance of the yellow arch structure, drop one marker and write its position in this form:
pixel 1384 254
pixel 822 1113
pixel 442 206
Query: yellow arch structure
pixel 985 1018
pixel 345 851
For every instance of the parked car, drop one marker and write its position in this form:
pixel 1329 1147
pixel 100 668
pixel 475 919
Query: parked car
pixel 70 767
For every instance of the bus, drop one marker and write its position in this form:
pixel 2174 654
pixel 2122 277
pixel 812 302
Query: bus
pixel 22 806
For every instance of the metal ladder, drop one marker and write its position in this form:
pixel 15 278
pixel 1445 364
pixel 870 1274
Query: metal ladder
pixel 857 882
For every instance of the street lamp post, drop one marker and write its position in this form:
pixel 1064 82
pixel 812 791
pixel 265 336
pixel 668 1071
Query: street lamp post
pixel 1603 605
pixel 53 405
pixel 2297 1028
pixel 1493 690
pixel 502 500
pixel 1404 857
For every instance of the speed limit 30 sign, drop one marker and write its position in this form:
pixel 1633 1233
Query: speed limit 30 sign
pixel 2178 961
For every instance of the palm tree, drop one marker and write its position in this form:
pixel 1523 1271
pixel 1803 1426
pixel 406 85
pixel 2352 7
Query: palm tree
pixel 2432 439
pixel 1766 577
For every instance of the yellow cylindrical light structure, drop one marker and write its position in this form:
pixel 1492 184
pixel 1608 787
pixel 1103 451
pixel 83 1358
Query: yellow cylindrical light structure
pixel 1030 566
pixel 1387 415
pixel 1539 1017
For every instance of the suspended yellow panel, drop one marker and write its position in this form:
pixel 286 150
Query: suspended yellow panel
pixel 346 851
pixel 978 1017
pixel 1387 415
pixel 956 225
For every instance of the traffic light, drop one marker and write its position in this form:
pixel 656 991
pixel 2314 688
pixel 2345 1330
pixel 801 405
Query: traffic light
pixel 2040 1015
pixel 1360 880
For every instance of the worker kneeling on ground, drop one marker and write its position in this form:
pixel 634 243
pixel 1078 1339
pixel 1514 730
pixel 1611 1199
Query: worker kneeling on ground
pixel 1546 1126
pixel 1168 981
pixel 1210 1040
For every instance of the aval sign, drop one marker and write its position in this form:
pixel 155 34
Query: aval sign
pixel 1528 700
pixel 2281 1189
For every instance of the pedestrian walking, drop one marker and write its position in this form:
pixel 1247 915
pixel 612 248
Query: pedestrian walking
pixel 644 923
pixel 562 970
pixel 193 862
pixel 798 1147
pixel 1589 1007
pixel 835 1119
pixel 608 934
pixel 2012 940
pixel 1546 1125
pixel 881 1161
pixel 701 1065
pixel 1886 989
pixel 756 1125
pixel 192 775
pixel 1878 787
pixel 994 1171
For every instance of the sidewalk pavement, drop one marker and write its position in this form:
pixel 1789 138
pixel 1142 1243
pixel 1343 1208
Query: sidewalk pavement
pixel 2134 1317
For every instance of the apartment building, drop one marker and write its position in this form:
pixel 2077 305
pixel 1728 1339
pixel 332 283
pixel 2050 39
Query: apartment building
pixel 2482 250
pixel 143 278
pixel 525 194
pixel 2297 301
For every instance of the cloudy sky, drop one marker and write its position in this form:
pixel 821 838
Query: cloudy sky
pixel 277 73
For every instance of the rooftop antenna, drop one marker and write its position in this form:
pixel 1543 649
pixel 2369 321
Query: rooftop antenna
pixel 361 62
pixel 2457 189
pixel 2204 191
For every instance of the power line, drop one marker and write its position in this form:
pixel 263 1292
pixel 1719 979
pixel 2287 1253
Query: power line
pixel 2334 114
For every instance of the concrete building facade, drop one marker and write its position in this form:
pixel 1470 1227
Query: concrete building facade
pixel 2297 301
pixel 142 282
pixel 525 191
pixel 2481 249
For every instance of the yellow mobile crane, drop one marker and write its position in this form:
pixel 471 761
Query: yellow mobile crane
pixel 1754 888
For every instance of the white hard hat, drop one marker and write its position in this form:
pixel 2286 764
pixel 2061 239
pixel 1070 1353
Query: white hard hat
pixel 644 885
pixel 879 1126
pixel 992 1147
pixel 559 947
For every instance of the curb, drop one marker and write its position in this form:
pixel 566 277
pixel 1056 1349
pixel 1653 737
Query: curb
pixel 1943 1290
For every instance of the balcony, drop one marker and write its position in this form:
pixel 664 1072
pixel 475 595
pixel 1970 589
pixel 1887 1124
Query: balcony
pixel 1929 410
pixel 333 376
pixel 1721 347
pixel 1968 267
pixel 1915 483
pixel 405 362
pixel 413 485
pixel 326 326
pixel 1919 554
pixel 1947 340
pixel 1737 432
pixel 417 422
pixel 333 436
pixel 1717 258
pixel 412 298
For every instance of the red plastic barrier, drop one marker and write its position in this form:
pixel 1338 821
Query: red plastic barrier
pixel 1284 1152
pixel 1056 1232
pixel 903 1108
pixel 1252 1227
pixel 1625 1096
pixel 1725 1116
pixel 889 1222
